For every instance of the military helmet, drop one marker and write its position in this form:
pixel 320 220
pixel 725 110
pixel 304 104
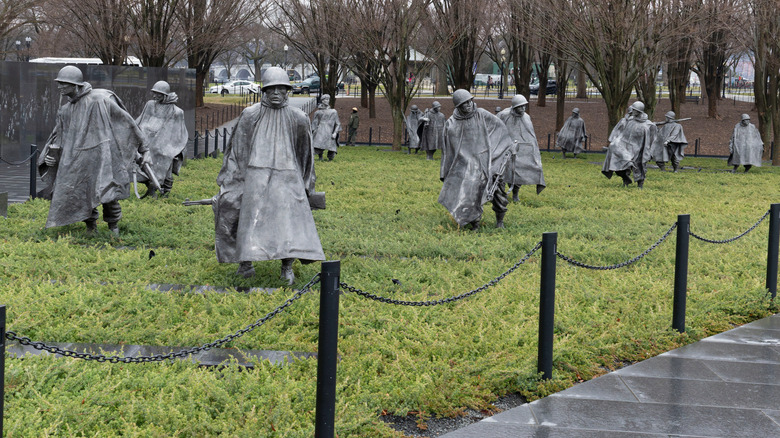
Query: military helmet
pixel 576 110
pixel 275 76
pixel 70 74
pixel 518 100
pixel 638 106
pixel 745 117
pixel 414 108
pixel 161 87
pixel 671 115
pixel 460 96
pixel 436 104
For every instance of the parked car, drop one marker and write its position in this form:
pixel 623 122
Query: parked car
pixel 235 87
pixel 552 87
pixel 310 85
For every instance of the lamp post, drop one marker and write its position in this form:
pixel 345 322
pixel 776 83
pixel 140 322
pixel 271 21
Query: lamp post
pixel 501 86
pixel 18 50
pixel 285 56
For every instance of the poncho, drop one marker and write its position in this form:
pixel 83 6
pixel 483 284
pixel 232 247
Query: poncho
pixel 262 211
pixel 432 132
pixel 412 123
pixel 526 166
pixel 630 146
pixel 97 140
pixel 163 124
pixel 323 126
pixel 671 133
pixel 745 146
pixel 474 147
pixel 572 135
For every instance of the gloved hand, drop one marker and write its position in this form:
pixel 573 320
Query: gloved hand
pixel 145 158
pixel 334 135
pixel 50 161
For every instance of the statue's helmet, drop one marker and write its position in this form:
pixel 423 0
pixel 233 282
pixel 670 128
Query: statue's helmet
pixel 414 108
pixel 460 96
pixel 745 117
pixel 671 115
pixel 576 110
pixel 70 74
pixel 436 104
pixel 275 76
pixel 325 99
pixel 519 100
pixel 638 106
pixel 161 87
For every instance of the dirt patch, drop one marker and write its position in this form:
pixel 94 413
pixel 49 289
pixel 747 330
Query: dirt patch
pixel 712 135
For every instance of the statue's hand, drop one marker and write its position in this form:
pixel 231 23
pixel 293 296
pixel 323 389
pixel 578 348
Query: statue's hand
pixel 334 135
pixel 146 158
pixel 50 161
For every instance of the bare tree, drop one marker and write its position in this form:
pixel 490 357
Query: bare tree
pixel 255 46
pixel 389 30
pixel 207 27
pixel 764 43
pixel 682 14
pixel 315 28
pixel 518 36
pixel 14 14
pixel 719 23
pixel 153 24
pixel 461 25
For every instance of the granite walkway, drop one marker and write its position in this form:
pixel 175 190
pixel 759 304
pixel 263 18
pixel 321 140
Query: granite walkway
pixel 727 385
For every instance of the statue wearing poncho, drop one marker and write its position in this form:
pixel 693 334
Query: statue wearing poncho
pixel 325 128
pixel 526 165
pixel 476 143
pixel 745 146
pixel 88 155
pixel 572 134
pixel 413 122
pixel 431 131
pixel 163 123
pixel 262 211
pixel 630 145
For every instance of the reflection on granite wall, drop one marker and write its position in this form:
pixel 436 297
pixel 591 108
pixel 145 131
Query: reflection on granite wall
pixel 29 98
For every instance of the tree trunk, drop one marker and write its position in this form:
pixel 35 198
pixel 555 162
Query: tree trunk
pixel 372 101
pixel 582 84
pixel 200 77
pixel 363 93
pixel 544 70
pixel 645 91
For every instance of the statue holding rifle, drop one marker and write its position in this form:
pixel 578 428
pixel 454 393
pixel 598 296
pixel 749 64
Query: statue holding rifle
pixel 669 142
pixel 526 166
pixel 476 152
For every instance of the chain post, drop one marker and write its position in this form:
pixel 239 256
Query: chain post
pixel 370 134
pixel 195 146
pixel 681 272
pixel 33 170
pixel 2 366
pixel 224 139
pixel 327 352
pixel 772 249
pixel 547 305
pixel 216 142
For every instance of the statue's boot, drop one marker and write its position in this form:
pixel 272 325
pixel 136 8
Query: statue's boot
pixel 287 271
pixel 114 228
pixel 747 167
pixel 515 192
pixel 500 219
pixel 430 155
pixel 662 166
pixel 475 225
pixel 640 183
pixel 246 270
pixel 91 226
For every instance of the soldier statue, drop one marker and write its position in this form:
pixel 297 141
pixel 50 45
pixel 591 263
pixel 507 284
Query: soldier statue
pixel 432 130
pixel 745 146
pixel 526 165
pixel 572 135
pixel 325 128
pixel 629 146
pixel 669 143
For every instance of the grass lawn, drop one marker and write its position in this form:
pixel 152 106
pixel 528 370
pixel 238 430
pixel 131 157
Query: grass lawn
pixel 383 222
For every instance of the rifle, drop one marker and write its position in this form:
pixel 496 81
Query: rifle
pixel 497 176
pixel 147 170
pixel 675 120
pixel 316 201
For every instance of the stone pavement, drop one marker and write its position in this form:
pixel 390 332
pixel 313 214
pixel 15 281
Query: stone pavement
pixel 727 385
pixel 15 179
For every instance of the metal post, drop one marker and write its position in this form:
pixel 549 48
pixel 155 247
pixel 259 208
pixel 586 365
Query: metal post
pixel 379 135
pixel 206 144
pixel 327 355
pixel 370 134
pixel 216 142
pixel 195 146
pixel 548 142
pixel 696 148
pixel 681 272
pixel 224 139
pixel 2 366
pixel 772 250
pixel 547 305
pixel 33 170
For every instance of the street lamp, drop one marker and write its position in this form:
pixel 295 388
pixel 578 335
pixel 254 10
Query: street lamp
pixel 285 56
pixel 501 86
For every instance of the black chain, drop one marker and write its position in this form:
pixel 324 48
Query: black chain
pixel 733 238
pixel 19 163
pixel 619 265
pixel 161 357
pixel 443 300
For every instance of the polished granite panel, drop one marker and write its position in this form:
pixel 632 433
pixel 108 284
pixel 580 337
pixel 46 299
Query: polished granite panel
pixel 672 367
pixel 653 418
pixel 607 387
pixel 703 393
pixel 485 429
pixel 749 336
pixel 212 357
pixel 728 352
pixel 746 372
pixel 519 415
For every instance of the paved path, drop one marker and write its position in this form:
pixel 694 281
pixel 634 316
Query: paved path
pixel 16 179
pixel 727 385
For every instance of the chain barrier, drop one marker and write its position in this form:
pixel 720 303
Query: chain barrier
pixel 443 300
pixel 619 265
pixel 161 357
pixel 703 239
pixel 19 163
